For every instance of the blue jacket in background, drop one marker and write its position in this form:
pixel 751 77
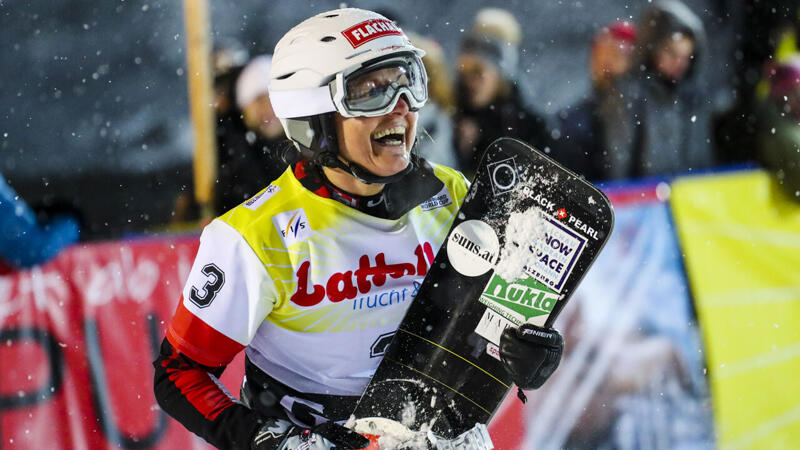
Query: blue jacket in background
pixel 23 241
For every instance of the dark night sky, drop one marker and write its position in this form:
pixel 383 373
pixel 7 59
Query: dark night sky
pixel 97 90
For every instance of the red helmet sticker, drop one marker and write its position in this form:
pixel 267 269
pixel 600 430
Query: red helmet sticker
pixel 368 30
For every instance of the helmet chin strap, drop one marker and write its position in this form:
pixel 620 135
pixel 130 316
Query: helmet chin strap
pixel 329 159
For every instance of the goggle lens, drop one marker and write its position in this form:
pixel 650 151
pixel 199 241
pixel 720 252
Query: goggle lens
pixel 375 88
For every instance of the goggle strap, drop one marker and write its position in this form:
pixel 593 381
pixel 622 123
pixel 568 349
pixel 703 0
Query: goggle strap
pixel 302 102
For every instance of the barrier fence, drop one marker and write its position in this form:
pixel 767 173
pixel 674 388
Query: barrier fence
pixel 78 335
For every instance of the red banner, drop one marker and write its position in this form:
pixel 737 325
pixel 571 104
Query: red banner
pixel 77 338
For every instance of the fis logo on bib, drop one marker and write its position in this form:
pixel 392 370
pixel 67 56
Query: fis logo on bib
pixel 292 226
pixel 519 301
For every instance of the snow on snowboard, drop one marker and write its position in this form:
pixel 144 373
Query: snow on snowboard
pixel 527 232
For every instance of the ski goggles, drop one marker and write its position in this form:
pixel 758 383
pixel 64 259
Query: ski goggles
pixel 374 89
pixel 367 90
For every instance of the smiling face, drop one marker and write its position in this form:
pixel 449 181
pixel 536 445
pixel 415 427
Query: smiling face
pixel 380 144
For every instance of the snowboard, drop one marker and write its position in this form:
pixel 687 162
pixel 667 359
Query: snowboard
pixel 526 234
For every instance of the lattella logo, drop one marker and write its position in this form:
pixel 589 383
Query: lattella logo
pixel 520 300
pixel 347 285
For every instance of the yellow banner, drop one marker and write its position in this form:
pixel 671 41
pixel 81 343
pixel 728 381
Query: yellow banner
pixel 741 238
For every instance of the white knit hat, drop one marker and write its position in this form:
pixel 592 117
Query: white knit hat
pixel 254 80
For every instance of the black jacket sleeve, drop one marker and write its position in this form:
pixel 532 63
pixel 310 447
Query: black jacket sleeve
pixel 193 395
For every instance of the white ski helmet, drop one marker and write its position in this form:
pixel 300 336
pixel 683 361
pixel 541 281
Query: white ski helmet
pixel 329 63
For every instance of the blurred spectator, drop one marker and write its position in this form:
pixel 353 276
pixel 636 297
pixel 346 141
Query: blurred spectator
pixel 251 145
pixel 228 59
pixel 23 241
pixel 768 36
pixel 657 120
pixel 435 140
pixel 610 57
pixel 612 48
pixel 778 145
pixel 489 104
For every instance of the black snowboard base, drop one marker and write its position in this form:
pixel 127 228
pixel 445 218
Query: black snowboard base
pixel 525 212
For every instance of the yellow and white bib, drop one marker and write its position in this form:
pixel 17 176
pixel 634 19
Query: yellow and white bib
pixel 312 288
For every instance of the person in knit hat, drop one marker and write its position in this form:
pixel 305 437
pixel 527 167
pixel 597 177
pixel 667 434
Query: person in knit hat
pixel 250 146
pixel 252 97
pixel 228 60
pixel 579 130
pixel 611 52
pixel 489 103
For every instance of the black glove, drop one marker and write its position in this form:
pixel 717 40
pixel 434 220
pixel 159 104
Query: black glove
pixel 530 354
pixel 277 434
pixel 340 436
